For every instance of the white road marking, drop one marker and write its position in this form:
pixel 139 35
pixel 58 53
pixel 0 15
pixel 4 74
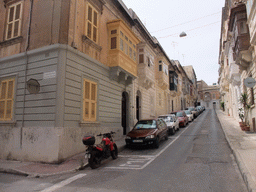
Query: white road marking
pixel 63 183
pixel 142 158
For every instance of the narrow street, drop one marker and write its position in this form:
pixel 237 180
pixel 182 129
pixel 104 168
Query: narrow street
pixel 197 158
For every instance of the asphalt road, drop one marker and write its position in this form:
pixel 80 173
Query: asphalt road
pixel 197 158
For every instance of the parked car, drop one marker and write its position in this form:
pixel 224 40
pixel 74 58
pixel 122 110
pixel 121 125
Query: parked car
pixel 171 121
pixel 199 109
pixel 182 117
pixel 147 132
pixel 193 111
pixel 190 115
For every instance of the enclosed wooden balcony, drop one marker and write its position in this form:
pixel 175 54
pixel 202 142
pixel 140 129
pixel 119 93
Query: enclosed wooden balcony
pixel 122 51
pixel 146 76
pixel 241 49
pixel 241 37
pixel 163 80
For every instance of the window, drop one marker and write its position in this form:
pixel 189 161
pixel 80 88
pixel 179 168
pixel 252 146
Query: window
pixel 160 99
pixel 141 58
pixel 243 27
pixel 92 24
pixel 89 100
pixel 121 44
pixel 13 21
pixel 252 96
pixel 113 43
pixel 6 99
pixel 160 67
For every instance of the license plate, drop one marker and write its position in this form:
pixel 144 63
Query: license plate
pixel 137 141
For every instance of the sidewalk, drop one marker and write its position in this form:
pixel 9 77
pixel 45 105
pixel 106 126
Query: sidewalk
pixel 243 145
pixel 34 169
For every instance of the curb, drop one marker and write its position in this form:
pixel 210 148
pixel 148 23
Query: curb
pixel 242 168
pixel 13 171
pixel 36 175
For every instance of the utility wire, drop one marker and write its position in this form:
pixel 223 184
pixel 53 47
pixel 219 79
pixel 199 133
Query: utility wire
pixel 189 30
pixel 186 22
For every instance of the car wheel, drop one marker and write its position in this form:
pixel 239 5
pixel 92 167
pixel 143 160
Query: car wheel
pixel 114 153
pixel 156 144
pixel 166 136
pixel 94 161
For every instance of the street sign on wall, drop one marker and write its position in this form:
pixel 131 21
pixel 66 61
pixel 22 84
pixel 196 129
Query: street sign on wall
pixel 249 82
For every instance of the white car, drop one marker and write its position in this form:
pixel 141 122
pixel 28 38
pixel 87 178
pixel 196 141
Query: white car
pixel 190 115
pixel 171 121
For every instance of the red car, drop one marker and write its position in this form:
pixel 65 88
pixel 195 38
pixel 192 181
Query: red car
pixel 147 132
pixel 182 117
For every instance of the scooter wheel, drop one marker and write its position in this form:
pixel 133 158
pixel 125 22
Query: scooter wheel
pixel 94 161
pixel 114 153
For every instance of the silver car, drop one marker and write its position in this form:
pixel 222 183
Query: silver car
pixel 171 121
pixel 190 115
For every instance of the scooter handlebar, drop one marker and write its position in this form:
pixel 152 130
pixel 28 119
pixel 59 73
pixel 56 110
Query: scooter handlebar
pixel 112 132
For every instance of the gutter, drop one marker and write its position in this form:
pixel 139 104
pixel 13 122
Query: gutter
pixel 26 69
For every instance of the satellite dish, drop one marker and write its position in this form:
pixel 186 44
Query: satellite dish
pixel 249 82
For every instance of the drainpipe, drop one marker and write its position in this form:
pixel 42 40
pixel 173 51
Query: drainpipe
pixel 26 69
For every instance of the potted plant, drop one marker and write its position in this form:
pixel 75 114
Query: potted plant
pixel 241 116
pixel 222 104
pixel 245 109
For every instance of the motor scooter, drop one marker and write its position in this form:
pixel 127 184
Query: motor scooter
pixel 97 152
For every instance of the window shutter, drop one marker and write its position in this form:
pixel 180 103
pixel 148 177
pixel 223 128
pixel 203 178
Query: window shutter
pixel 3 90
pixel 90 101
pixel 6 99
pixel 89 13
pixel 2 106
pixel 14 21
pixel 92 23
pixel 93 101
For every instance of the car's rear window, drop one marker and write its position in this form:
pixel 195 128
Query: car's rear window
pixel 145 124
pixel 188 112
pixel 179 114
pixel 167 118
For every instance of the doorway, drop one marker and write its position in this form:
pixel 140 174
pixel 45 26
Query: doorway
pixel 138 105
pixel 124 112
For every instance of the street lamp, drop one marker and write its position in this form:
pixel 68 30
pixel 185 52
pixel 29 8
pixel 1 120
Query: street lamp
pixel 183 34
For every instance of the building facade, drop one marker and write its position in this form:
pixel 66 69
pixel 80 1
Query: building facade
pixel 237 56
pixel 208 95
pixel 73 67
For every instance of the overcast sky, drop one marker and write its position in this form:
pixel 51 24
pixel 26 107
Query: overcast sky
pixel 200 19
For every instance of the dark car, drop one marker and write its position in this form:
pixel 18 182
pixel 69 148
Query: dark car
pixel 147 132
pixel 182 117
